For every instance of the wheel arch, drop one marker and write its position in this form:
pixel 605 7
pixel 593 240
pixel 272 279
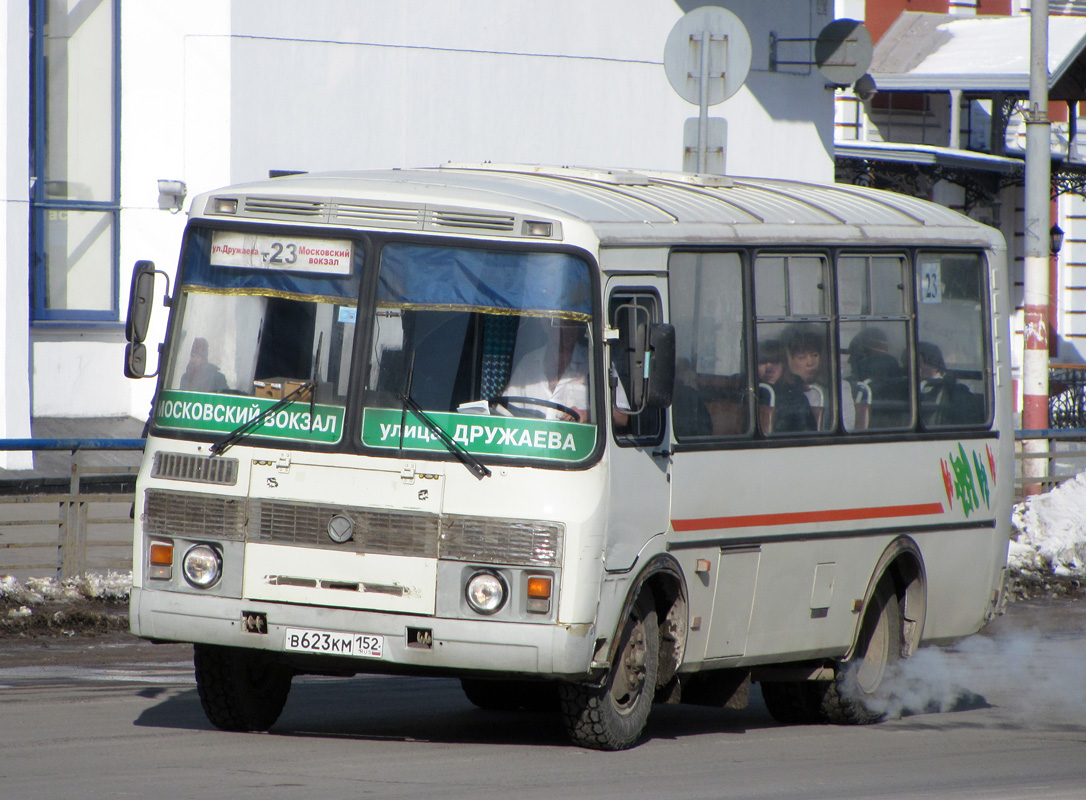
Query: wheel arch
pixel 663 578
pixel 902 565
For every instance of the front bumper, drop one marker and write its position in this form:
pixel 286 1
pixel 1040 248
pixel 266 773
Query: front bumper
pixel 459 646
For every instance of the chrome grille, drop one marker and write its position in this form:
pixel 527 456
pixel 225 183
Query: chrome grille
pixel 473 221
pixel 264 206
pixel 376 530
pixel 379 531
pixel 408 216
pixel 193 516
pixel 501 541
pixel 379 216
pixel 199 469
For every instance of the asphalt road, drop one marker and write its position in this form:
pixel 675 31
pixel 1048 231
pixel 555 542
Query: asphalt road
pixel 115 717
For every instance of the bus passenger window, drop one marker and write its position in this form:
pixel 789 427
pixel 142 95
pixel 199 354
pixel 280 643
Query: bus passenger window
pixel 878 383
pixel 712 382
pixel 874 342
pixel 793 394
pixel 952 353
pixel 795 389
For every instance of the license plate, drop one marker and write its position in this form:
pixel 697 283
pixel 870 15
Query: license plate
pixel 334 643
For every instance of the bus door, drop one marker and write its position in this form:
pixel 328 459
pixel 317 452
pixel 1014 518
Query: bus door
pixel 712 479
pixel 639 460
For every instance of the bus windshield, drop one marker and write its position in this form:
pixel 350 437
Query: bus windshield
pixel 259 317
pixel 493 345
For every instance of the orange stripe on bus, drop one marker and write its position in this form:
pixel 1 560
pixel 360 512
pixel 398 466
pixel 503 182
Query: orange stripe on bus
pixel 803 517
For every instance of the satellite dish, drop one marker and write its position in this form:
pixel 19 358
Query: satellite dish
pixel 728 57
pixel 843 52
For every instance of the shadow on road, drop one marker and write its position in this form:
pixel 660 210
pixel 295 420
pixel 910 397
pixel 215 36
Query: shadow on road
pixel 434 710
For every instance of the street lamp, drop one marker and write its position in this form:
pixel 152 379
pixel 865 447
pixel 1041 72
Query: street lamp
pixel 1055 240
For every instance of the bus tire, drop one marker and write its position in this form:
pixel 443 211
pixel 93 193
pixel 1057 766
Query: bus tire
pixel 852 697
pixel 240 690
pixel 613 716
pixel 510 695
pixel 792 702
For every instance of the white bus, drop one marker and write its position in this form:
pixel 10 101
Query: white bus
pixel 585 439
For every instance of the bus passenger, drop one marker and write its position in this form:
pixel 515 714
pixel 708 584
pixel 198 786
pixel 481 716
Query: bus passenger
pixel 802 345
pixel 879 383
pixel 200 374
pixel 770 370
pixel 770 362
pixel 943 399
pixel 556 372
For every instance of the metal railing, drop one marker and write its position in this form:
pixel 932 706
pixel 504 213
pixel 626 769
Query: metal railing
pixel 69 525
pixel 55 523
pixel 1065 458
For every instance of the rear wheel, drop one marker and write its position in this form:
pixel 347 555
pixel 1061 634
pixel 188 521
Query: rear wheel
pixel 613 716
pixel 240 690
pixel 857 695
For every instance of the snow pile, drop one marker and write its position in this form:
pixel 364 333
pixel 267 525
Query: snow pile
pixel 1050 532
pixel 113 586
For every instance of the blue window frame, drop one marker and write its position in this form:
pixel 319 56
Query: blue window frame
pixel 75 160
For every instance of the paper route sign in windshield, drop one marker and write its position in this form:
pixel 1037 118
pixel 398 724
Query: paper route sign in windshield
pixel 481 435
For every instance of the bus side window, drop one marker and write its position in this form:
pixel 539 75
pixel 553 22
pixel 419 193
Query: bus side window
pixel 795 368
pixel 712 380
pixel 952 355
pixel 874 343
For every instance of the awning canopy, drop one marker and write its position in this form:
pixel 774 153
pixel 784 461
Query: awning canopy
pixel 922 154
pixel 938 52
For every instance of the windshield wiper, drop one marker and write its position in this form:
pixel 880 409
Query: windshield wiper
pixel 474 465
pixel 247 428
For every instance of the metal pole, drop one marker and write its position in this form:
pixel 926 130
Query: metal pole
pixel 703 103
pixel 1035 247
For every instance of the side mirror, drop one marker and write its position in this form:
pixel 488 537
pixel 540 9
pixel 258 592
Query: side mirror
pixel 650 358
pixel 660 360
pixel 135 360
pixel 139 302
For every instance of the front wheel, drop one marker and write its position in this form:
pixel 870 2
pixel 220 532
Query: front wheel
pixel 613 716
pixel 240 690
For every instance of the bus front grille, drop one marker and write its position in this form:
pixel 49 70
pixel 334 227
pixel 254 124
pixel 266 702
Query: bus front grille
pixel 501 541
pixel 486 540
pixel 198 469
pixel 193 516
pixel 375 530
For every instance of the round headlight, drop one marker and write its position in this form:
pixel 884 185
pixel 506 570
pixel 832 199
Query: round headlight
pixel 486 592
pixel 202 566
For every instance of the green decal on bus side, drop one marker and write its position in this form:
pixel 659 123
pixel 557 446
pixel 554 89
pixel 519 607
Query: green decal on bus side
pixel 963 480
pixel 481 435
pixel 219 413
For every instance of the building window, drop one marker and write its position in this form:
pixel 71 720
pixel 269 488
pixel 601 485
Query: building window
pixel 75 194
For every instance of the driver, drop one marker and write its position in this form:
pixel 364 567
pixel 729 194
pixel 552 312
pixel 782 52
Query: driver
pixel 556 372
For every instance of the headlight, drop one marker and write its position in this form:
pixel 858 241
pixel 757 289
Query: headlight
pixel 202 566
pixel 486 592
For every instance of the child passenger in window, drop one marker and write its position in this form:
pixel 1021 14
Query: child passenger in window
pixel 802 345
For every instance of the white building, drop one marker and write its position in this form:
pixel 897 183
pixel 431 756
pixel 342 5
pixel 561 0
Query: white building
pixel 946 123
pixel 103 99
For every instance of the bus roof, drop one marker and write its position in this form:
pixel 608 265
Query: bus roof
pixel 620 206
